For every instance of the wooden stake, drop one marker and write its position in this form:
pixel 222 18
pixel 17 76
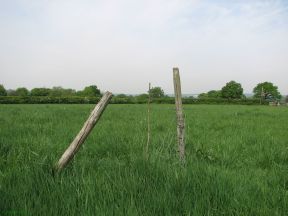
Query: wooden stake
pixel 148 121
pixel 262 95
pixel 179 113
pixel 84 132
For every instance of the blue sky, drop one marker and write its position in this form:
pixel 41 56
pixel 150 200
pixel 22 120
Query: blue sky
pixel 121 46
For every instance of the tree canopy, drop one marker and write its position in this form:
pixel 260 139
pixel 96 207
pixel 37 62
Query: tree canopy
pixel 156 92
pixel 203 96
pixel 90 91
pixel 121 96
pixel 22 92
pixel 3 91
pixel 142 97
pixel 11 92
pixel 40 92
pixel 232 90
pixel 58 91
pixel 270 91
pixel 214 94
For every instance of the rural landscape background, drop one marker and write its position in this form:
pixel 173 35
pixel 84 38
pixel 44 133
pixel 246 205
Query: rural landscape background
pixel 57 60
pixel 231 93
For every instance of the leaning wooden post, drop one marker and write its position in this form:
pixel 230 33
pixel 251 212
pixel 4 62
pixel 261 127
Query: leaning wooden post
pixel 179 113
pixel 84 132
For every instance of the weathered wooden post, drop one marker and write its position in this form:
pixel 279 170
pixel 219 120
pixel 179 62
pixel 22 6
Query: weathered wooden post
pixel 179 114
pixel 148 121
pixel 84 132
pixel 262 95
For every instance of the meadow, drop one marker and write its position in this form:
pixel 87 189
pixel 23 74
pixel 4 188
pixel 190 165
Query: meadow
pixel 236 161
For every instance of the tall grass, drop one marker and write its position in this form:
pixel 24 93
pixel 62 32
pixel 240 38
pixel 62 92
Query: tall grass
pixel 237 161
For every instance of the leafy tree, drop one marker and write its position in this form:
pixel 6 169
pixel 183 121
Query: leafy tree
pixel 22 92
pixel 11 92
pixel 214 94
pixel 269 91
pixel 232 90
pixel 69 92
pixel 90 91
pixel 142 97
pixel 58 91
pixel 203 96
pixel 40 92
pixel 3 91
pixel 121 96
pixel 156 92
pixel 79 93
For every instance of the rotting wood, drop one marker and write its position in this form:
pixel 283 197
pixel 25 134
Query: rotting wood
pixel 84 132
pixel 179 114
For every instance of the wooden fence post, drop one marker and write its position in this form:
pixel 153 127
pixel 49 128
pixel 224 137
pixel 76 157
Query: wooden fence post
pixel 262 96
pixel 84 132
pixel 148 121
pixel 179 114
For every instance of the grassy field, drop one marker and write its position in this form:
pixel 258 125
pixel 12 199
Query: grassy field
pixel 237 161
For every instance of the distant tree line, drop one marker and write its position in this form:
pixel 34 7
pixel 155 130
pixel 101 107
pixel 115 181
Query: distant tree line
pixel 232 92
pixel 89 91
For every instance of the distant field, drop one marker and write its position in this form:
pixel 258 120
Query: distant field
pixel 237 161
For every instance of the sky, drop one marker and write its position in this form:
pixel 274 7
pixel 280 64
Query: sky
pixel 121 46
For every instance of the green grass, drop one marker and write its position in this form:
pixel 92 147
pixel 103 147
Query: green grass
pixel 237 161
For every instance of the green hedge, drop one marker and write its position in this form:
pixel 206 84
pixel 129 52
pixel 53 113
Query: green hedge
pixel 127 100
pixel 117 100
pixel 47 100
pixel 171 100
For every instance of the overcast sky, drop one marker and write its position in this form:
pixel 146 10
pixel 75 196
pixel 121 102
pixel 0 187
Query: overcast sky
pixel 121 46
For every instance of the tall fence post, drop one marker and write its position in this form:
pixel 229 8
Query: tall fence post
pixel 262 95
pixel 179 114
pixel 84 132
pixel 148 121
